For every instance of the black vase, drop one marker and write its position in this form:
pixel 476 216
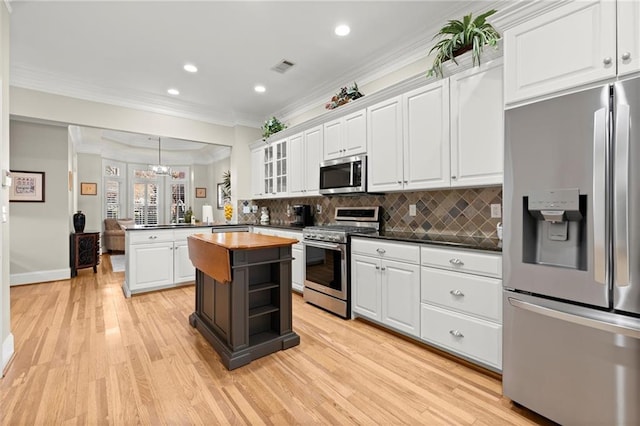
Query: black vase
pixel 78 221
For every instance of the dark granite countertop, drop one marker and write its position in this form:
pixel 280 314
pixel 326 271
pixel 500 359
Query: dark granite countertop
pixel 450 241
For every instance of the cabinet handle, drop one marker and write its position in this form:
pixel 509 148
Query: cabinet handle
pixel 381 251
pixel 607 60
pixel 456 293
pixel 383 268
pixel 456 262
pixel 153 237
pixel 453 177
pixel 456 333
pixel 377 267
pixel 399 182
pixel 406 181
pixel 170 248
pixel 626 55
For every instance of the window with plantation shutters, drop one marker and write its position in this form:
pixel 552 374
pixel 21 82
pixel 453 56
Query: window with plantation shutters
pixel 113 177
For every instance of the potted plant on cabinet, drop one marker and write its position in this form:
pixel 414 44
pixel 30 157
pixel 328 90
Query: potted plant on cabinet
pixel 271 126
pixel 469 34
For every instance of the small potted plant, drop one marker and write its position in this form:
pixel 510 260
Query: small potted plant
pixel 468 34
pixel 345 95
pixel 271 126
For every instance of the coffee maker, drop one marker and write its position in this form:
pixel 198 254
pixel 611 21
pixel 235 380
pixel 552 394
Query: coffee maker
pixel 302 215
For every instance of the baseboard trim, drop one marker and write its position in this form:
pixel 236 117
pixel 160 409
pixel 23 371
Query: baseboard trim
pixel 39 276
pixel 7 353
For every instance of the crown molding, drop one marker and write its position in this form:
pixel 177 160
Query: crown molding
pixel 57 84
pixel 379 66
pixel 517 12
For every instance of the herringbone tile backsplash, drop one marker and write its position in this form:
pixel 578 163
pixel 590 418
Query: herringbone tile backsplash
pixel 464 212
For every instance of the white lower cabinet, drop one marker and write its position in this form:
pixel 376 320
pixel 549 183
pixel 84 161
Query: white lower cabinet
pixel 384 288
pixel 461 311
pixel 448 298
pixel 158 259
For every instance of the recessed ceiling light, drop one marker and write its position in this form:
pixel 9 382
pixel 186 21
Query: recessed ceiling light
pixel 260 89
pixel 342 30
pixel 190 68
pixel 173 91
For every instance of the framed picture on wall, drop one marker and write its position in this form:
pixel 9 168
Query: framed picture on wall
pixel 27 187
pixel 88 188
pixel 201 192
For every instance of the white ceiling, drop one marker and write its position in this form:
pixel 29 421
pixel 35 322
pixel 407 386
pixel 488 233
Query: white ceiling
pixel 130 53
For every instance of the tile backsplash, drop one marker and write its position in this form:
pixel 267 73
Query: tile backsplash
pixel 456 211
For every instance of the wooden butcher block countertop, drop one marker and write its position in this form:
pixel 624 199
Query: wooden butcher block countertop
pixel 210 252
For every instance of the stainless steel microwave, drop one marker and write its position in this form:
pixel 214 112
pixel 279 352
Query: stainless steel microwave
pixel 344 175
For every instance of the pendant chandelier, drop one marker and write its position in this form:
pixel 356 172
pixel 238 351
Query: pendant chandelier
pixel 160 169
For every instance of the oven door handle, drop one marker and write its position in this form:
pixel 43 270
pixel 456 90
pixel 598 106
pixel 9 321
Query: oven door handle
pixel 323 245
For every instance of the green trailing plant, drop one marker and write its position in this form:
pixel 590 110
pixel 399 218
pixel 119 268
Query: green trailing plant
pixel 271 126
pixel 462 36
pixel 226 185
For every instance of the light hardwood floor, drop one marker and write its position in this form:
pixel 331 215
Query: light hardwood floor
pixel 87 355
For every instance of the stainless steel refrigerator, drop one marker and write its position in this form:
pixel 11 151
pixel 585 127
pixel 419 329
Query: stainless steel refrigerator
pixel 571 256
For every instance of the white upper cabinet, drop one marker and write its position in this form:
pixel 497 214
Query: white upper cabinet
pixel 305 154
pixel 257 190
pixel 273 162
pixel 572 45
pixel 426 136
pixel 385 171
pixel 345 136
pixel 409 140
pixel 628 36
pixel 477 131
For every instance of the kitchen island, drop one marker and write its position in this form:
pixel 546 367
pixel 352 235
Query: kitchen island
pixel 243 294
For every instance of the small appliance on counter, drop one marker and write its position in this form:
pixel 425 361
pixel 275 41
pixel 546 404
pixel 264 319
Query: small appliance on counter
pixel 302 215
pixel 264 217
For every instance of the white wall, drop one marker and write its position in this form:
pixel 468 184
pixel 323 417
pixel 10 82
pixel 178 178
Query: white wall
pixel 6 337
pixel 241 162
pixel 89 169
pixel 40 231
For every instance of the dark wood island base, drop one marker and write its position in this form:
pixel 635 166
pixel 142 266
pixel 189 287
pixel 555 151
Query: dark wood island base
pixel 243 309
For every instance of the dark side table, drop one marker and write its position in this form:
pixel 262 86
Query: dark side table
pixel 84 251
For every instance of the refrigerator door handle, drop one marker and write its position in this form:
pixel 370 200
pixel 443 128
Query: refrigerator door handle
pixel 621 197
pixel 598 200
pixel 624 330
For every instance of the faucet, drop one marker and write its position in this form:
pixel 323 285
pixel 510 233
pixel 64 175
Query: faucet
pixel 180 206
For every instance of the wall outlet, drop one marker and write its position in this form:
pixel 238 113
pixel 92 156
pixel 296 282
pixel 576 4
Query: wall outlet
pixel 246 209
pixel 412 209
pixel 318 209
pixel 254 209
pixel 496 211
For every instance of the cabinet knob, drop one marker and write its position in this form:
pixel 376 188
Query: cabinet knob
pixel 406 181
pixel 153 237
pixel 626 56
pixel 381 251
pixel 399 182
pixel 456 333
pixel 383 268
pixel 607 60
pixel 453 177
pixel 456 293
pixel 377 267
pixel 456 262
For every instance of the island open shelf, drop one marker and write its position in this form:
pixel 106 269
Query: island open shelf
pixel 243 294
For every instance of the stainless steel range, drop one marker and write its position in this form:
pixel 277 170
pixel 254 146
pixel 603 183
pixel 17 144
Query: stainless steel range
pixel 327 276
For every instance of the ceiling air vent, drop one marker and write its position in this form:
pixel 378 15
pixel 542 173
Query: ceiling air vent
pixel 283 66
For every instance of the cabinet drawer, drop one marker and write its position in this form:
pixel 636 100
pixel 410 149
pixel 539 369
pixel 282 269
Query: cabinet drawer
pixel 372 247
pixel 155 236
pixel 488 264
pixel 466 293
pixel 182 234
pixel 471 337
